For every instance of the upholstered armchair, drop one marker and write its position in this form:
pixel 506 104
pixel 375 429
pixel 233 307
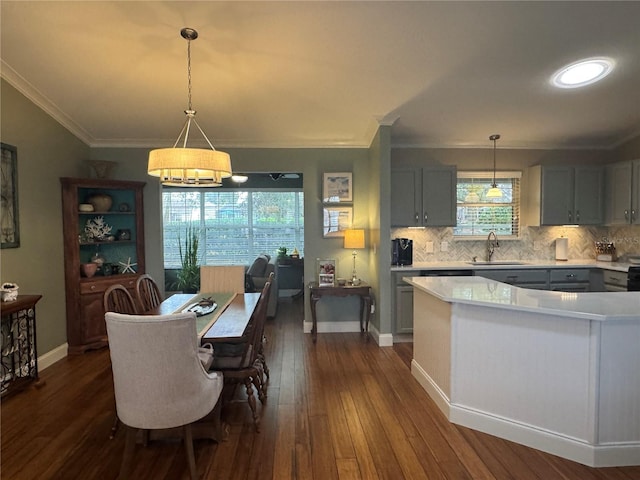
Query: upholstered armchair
pixel 159 380
pixel 258 274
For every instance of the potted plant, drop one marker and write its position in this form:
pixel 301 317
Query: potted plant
pixel 188 277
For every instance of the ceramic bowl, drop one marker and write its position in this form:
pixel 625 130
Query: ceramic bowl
pixel 85 207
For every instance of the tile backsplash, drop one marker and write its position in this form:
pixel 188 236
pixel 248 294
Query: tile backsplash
pixel 535 243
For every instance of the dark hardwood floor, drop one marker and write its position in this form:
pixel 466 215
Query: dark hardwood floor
pixel 341 409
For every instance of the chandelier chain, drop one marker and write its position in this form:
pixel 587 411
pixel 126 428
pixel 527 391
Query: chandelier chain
pixel 189 70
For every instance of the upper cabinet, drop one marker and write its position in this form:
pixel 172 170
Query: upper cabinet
pixel 562 195
pixel 622 187
pixel 423 197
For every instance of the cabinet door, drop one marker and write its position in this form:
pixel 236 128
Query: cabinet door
pixel 439 196
pixel 94 329
pixel 588 196
pixel 618 193
pixel 404 309
pixel 406 198
pixel 557 196
pixel 635 193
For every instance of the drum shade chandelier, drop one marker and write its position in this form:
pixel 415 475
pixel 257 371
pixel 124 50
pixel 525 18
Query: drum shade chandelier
pixel 494 191
pixel 182 166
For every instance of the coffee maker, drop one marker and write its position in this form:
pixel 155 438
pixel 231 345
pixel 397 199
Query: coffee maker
pixel 401 251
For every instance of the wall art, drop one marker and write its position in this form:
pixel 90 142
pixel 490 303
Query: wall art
pixel 9 226
pixel 337 187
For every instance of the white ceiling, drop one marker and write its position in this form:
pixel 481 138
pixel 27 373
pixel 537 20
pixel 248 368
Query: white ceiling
pixel 311 74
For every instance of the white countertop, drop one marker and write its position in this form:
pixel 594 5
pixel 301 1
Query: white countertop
pixel 523 264
pixel 489 293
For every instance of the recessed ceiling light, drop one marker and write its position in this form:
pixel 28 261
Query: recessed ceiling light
pixel 584 72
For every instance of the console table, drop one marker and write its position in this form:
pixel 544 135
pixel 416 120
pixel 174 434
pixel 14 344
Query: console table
pixel 363 291
pixel 19 364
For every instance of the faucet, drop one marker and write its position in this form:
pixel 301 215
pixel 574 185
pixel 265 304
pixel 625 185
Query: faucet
pixel 492 244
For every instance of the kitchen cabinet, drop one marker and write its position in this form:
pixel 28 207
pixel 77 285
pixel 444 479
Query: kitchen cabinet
pixel 537 279
pixel 564 195
pixel 622 188
pixel 423 197
pixel 614 281
pixel 402 301
pixel 120 243
pixel 570 279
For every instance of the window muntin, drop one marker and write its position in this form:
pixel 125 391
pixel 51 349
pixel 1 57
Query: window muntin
pixel 235 225
pixel 478 215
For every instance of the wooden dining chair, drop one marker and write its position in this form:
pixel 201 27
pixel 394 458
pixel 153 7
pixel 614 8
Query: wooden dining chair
pixel 147 292
pixel 239 360
pixel 118 299
pixel 223 278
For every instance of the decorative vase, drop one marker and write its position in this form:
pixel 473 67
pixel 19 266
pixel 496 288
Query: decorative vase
pixel 89 269
pixel 101 202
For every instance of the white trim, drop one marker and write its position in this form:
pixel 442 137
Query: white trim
pixel 52 356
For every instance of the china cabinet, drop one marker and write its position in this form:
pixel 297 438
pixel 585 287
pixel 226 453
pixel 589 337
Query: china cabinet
pixel 103 223
pixel 423 197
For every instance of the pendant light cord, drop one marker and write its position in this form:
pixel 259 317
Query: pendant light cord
pixel 189 71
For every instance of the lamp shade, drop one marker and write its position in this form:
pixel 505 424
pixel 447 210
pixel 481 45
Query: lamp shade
pixel 494 192
pixel 354 238
pixel 189 166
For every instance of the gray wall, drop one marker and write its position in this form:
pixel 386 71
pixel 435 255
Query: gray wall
pixel 46 151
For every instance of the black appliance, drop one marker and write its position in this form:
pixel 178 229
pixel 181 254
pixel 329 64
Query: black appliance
pixel 633 279
pixel 401 251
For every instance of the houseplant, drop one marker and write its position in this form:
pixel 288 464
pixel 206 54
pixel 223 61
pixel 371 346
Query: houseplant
pixel 188 277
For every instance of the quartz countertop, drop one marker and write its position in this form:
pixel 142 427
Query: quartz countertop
pixel 481 291
pixel 520 264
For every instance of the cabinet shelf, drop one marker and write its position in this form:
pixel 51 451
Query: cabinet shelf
pixel 106 242
pixel 106 213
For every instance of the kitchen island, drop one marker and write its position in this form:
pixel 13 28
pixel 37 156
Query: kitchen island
pixel 555 371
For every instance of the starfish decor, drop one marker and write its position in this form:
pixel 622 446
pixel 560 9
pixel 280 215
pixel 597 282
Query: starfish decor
pixel 128 267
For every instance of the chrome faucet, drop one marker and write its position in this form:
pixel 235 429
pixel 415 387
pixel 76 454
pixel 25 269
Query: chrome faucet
pixel 492 244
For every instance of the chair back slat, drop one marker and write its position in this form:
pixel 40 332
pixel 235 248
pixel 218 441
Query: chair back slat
pixel 228 278
pixel 148 293
pixel 118 299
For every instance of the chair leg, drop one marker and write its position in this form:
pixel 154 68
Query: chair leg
pixel 252 403
pixel 127 456
pixel 257 382
pixel 114 427
pixel 191 458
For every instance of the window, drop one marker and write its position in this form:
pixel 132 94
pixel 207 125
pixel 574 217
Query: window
pixel 478 215
pixel 235 225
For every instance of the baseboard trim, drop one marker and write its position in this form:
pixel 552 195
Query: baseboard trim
pixel 606 455
pixel 52 356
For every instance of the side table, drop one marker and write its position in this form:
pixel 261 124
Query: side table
pixel 363 291
pixel 19 364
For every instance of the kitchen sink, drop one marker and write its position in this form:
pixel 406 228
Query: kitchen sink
pixel 506 262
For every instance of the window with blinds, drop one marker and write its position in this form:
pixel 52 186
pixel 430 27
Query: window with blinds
pixel 478 215
pixel 235 226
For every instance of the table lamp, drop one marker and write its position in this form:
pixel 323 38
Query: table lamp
pixel 354 239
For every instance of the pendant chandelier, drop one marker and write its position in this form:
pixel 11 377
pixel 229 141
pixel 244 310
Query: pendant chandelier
pixel 182 166
pixel 494 191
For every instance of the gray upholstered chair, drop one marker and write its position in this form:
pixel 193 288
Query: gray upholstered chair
pixel 259 271
pixel 159 380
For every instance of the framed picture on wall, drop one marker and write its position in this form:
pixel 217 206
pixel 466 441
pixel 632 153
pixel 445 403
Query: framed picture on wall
pixel 337 187
pixel 9 226
pixel 336 220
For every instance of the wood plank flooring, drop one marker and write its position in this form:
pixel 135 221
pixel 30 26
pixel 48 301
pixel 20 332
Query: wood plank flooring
pixel 341 409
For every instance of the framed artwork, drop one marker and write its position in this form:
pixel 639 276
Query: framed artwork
pixel 337 187
pixel 9 227
pixel 326 273
pixel 336 220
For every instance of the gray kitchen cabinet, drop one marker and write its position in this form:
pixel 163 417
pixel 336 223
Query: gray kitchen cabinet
pixel 564 195
pixel 570 279
pixel 404 309
pixel 537 279
pixel 622 188
pixel 423 197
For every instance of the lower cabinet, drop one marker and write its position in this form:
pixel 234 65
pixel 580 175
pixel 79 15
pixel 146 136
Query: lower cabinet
pixel 404 309
pixel 570 279
pixel 535 279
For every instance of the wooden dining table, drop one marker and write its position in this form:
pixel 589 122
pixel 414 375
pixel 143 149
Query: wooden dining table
pixel 228 321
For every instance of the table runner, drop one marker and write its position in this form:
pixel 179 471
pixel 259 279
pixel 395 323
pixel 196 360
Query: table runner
pixel 203 323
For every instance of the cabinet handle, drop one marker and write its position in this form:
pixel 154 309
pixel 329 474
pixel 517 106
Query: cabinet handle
pixel 570 275
pixel 93 287
pixel 570 217
pixel 426 217
pixel 512 277
pixel 577 215
pixel 417 217
pixel 633 215
pixel 626 214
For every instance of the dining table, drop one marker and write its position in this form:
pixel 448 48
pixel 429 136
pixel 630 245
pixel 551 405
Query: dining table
pixel 227 321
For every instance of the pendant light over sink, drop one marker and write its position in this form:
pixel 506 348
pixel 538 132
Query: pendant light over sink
pixel 189 167
pixel 494 191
